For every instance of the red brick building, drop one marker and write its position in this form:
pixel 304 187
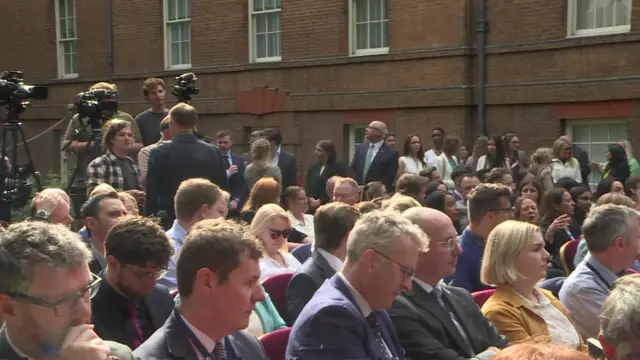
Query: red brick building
pixel 323 69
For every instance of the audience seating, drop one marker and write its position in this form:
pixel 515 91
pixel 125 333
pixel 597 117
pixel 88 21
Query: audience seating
pixel 276 286
pixel 480 297
pixel 554 285
pixel 302 252
pixel 567 254
pixel 275 343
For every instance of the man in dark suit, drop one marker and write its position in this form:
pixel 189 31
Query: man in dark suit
pixel 345 319
pixel 182 158
pixel 332 223
pixel 129 305
pixel 218 282
pixel 44 288
pixel 234 165
pixel 374 160
pixel 436 321
pixel 286 161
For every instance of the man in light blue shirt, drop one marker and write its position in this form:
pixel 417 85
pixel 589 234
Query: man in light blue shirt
pixel 612 234
pixel 196 199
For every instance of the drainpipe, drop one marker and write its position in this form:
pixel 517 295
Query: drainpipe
pixel 481 46
pixel 111 61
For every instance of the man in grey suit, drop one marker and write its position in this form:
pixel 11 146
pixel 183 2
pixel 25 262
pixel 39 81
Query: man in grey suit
pixel 218 273
pixel 45 292
pixel 436 321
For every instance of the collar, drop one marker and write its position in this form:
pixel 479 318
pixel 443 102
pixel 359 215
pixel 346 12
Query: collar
pixel 362 304
pixel 376 145
pixel 177 233
pixel 475 238
pixel 20 354
pixel 426 287
pixel 204 339
pixel 606 274
pixel 505 293
pixel 278 151
pixel 97 255
pixel 113 158
pixel 334 261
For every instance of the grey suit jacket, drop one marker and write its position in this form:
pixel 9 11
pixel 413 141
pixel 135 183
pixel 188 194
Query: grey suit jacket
pixel 169 342
pixel 119 351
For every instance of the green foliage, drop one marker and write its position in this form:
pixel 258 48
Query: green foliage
pixel 50 180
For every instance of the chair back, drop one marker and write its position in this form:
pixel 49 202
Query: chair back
pixel 554 285
pixel 275 343
pixel 277 286
pixel 302 253
pixel 567 254
pixel 480 297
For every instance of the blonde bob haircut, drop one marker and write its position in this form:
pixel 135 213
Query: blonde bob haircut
pixel 505 242
pixel 400 203
pixel 264 216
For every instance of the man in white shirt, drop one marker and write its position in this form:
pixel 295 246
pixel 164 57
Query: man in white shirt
pixel 218 285
pixel 332 224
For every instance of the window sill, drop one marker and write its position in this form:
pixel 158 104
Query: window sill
pixel 369 52
pixel 179 67
pixel 267 59
pixel 613 30
pixel 68 77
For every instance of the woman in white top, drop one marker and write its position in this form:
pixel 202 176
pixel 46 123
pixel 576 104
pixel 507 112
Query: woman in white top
pixel 447 161
pixel 412 159
pixel 563 163
pixel 295 201
pixel 271 225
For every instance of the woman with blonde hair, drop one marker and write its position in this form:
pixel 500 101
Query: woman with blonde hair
pixel 541 167
pixel 261 164
pixel 272 227
pixel 265 191
pixel 514 262
pixel 400 203
pixel 479 150
pixel 563 163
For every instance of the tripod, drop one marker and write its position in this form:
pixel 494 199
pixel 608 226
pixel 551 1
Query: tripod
pixel 93 142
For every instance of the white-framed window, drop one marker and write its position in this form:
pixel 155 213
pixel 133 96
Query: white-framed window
pixel 177 17
pixel 368 27
pixel 594 136
pixel 356 137
pixel 265 39
pixel 67 38
pixel 598 17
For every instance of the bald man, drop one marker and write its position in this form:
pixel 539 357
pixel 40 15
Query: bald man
pixel 374 160
pixel 52 205
pixel 434 320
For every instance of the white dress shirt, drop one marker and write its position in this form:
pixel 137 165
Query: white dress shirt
pixel 205 340
pixel 270 267
pixel 374 150
pixel 334 261
pixel 276 157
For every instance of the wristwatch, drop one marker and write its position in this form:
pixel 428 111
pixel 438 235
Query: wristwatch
pixel 41 215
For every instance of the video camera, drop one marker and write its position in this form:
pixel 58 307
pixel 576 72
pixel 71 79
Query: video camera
pixel 14 93
pixel 96 106
pixel 185 87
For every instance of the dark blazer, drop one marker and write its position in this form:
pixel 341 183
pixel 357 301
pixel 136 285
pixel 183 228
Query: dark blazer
pixel 305 282
pixel 169 342
pixel 331 326
pixel 174 161
pixel 237 186
pixel 316 183
pixel 109 313
pixel 119 351
pixel 288 168
pixel 383 168
pixel 583 159
pixel 427 331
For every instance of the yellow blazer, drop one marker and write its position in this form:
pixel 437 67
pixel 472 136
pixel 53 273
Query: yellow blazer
pixel 519 323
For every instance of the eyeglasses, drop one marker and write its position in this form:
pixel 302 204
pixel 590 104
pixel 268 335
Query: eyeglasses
pixel 275 234
pixel 451 243
pixel 406 271
pixel 66 305
pixel 145 275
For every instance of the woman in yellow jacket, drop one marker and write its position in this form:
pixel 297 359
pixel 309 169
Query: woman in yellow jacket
pixel 515 261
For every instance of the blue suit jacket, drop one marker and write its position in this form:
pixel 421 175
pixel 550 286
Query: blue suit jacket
pixel 383 167
pixel 237 186
pixel 331 326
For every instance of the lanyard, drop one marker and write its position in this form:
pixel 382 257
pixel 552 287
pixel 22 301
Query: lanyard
pixel 204 353
pixel 598 275
pixel 569 234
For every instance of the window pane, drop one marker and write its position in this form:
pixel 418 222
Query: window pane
pixel 385 34
pixel 174 33
pixel 362 36
pixel 375 35
pixel 175 53
pixel 67 64
pixel 71 28
pixel 358 135
pixel 185 52
pixel 375 10
pixel 187 6
pixel 585 10
pixel 258 5
pixel 63 28
pixel 171 9
pixel 598 152
pixel 269 4
pixel 184 31
pixel 618 132
pixel 71 8
pixel 182 9
pixel 62 9
pixel 272 45
pixel 622 12
pixel 261 24
pixel 261 46
pixel 600 133
pixel 273 22
pixel 361 11
pixel 581 134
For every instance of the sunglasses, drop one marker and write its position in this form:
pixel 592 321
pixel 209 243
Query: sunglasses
pixel 275 234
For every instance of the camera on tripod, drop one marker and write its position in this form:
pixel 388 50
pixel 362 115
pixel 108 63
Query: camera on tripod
pixel 14 93
pixel 185 87
pixel 95 107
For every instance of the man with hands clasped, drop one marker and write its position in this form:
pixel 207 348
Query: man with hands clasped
pixel 45 295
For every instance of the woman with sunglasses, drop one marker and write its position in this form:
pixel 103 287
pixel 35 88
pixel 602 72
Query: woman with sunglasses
pixel 272 226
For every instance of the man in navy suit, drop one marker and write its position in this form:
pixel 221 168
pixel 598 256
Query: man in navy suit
pixel 374 160
pixel 346 317
pixel 234 165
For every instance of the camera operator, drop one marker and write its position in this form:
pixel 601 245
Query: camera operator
pixel 77 137
pixel 149 120
pixel 183 158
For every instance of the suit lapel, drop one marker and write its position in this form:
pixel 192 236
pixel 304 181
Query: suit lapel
pixel 323 265
pixel 430 305
pixel 6 350
pixel 154 310
pixel 177 343
pixel 459 311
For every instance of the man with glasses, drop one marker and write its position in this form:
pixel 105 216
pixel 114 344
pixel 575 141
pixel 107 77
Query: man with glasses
pixel 488 206
pixel 434 320
pixel 45 292
pixel 129 305
pixel 374 160
pixel 345 318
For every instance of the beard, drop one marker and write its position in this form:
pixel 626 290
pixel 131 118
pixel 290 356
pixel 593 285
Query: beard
pixel 128 291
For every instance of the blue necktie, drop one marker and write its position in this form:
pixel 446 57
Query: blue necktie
pixel 372 319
